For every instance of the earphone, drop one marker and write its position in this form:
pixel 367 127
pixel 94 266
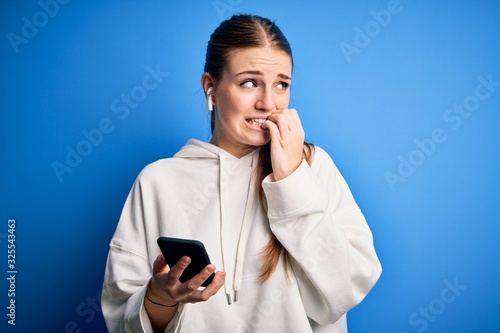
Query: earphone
pixel 209 99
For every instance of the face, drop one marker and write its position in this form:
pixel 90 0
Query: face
pixel 255 83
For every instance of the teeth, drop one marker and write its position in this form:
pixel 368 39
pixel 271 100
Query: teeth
pixel 257 121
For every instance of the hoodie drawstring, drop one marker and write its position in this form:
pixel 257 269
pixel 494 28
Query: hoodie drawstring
pixel 248 218
pixel 222 160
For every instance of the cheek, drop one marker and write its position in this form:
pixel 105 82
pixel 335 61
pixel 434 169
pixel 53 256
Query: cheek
pixel 283 101
pixel 243 101
pixel 232 102
pixel 229 115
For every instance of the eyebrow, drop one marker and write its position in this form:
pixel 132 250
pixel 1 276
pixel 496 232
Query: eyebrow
pixel 283 76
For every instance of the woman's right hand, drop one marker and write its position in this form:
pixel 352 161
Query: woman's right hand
pixel 165 287
pixel 165 290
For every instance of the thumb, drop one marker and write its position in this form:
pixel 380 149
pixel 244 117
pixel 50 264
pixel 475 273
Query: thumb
pixel 160 265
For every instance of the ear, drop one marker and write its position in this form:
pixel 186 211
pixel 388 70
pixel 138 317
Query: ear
pixel 208 84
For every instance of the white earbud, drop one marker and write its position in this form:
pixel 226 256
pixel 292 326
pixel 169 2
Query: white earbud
pixel 209 99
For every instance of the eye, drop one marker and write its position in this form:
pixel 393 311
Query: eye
pixel 248 84
pixel 283 85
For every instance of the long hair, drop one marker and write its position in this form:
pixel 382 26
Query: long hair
pixel 241 32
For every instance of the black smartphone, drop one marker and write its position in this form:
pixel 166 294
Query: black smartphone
pixel 174 249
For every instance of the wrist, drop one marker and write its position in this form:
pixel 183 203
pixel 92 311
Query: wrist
pixel 153 297
pixel 162 303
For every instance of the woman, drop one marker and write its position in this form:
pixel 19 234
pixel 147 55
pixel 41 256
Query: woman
pixel 293 250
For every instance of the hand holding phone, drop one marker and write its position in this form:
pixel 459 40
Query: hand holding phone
pixel 166 290
pixel 173 249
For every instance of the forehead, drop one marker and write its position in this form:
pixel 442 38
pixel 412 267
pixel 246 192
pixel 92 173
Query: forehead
pixel 268 60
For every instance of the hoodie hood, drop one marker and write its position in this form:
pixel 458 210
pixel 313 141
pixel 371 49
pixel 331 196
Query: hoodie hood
pixel 199 149
pixel 202 150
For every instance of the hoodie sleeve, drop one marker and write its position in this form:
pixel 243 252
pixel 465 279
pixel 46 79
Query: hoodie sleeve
pixel 314 216
pixel 129 264
pixel 128 270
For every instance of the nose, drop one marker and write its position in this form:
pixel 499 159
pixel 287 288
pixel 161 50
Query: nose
pixel 265 100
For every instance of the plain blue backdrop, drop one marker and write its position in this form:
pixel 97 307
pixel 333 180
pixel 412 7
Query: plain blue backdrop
pixel 404 95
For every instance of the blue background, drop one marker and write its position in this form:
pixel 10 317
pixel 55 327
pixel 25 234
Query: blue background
pixel 435 226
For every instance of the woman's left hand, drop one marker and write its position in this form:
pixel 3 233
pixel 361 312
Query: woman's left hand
pixel 287 141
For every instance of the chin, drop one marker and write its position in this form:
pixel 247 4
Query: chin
pixel 257 139
pixel 261 142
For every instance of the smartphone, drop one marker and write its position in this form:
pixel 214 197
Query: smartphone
pixel 174 249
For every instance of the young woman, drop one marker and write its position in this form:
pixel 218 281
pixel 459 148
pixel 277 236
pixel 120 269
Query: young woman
pixel 292 249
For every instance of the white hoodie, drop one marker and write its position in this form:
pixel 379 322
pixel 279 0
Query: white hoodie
pixel 204 193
